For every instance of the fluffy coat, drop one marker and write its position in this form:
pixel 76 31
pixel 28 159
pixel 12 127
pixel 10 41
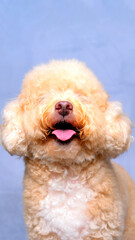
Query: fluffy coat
pixel 72 190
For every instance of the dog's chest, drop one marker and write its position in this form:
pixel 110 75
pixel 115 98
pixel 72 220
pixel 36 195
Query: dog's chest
pixel 64 210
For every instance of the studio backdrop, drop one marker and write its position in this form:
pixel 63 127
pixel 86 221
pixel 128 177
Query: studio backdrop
pixel 100 33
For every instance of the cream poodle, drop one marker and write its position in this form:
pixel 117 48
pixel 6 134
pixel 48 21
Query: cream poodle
pixel 67 131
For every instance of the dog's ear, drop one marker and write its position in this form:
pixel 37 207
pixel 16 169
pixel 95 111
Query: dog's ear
pixel 12 134
pixel 117 130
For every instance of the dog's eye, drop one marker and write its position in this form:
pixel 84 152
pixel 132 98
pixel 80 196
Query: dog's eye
pixel 83 98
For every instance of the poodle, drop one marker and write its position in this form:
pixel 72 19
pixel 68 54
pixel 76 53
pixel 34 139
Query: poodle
pixel 67 132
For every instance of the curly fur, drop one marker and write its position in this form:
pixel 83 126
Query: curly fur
pixel 71 191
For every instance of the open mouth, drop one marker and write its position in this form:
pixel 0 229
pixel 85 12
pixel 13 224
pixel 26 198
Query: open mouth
pixel 64 131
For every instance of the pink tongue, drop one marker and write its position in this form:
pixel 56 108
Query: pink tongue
pixel 64 135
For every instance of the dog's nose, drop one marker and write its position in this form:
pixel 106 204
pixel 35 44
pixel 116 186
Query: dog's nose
pixel 64 108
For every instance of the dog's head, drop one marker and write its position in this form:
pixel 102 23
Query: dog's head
pixel 63 114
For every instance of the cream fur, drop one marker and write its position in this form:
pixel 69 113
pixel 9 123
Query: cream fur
pixel 71 191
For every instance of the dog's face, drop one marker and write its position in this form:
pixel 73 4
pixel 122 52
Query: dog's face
pixel 63 114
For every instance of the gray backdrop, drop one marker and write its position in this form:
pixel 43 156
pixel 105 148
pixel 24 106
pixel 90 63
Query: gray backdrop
pixel 98 32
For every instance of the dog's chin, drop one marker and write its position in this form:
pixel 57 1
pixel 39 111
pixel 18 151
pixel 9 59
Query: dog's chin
pixel 63 142
pixel 58 150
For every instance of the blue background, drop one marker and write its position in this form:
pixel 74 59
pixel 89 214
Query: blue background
pixel 99 32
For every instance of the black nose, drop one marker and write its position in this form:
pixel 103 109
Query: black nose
pixel 64 108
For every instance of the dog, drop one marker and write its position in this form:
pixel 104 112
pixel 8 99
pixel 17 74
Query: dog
pixel 67 131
